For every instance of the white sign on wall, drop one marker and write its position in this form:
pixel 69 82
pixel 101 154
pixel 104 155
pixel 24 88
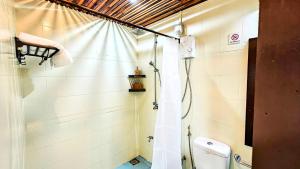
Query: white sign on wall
pixel 234 38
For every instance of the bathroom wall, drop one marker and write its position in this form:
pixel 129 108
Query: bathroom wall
pixel 218 74
pixel 79 116
pixel 11 117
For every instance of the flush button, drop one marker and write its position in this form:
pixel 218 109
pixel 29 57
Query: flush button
pixel 210 143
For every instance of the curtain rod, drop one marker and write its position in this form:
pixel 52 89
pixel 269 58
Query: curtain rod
pixel 91 12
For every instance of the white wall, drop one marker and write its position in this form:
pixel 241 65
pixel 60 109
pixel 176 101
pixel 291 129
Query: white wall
pixel 80 116
pixel 11 117
pixel 218 75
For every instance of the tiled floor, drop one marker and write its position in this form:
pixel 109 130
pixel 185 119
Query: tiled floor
pixel 144 164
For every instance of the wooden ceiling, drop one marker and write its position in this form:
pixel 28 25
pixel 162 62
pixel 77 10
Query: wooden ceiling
pixel 137 12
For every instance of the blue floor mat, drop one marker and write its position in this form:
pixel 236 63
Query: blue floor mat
pixel 143 164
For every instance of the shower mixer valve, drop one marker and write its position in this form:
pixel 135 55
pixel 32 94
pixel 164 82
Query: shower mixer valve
pixel 155 106
pixel 150 138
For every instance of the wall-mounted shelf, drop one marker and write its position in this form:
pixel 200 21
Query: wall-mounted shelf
pixel 30 49
pixel 136 76
pixel 137 90
pixel 136 83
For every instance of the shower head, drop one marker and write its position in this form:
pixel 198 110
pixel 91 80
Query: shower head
pixel 152 64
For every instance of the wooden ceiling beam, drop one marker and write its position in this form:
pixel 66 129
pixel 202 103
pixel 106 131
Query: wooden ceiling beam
pixel 85 2
pixel 105 5
pixel 132 8
pixel 80 2
pixel 120 12
pixel 113 3
pixel 117 7
pixel 109 6
pixel 142 9
pixel 99 6
pixel 171 12
pixel 150 11
pixel 162 10
pixel 93 3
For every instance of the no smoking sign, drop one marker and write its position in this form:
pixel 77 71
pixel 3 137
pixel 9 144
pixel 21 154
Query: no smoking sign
pixel 234 38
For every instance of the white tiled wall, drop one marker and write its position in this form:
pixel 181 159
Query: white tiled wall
pixel 79 116
pixel 11 117
pixel 218 75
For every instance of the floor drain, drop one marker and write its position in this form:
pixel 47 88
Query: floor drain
pixel 134 161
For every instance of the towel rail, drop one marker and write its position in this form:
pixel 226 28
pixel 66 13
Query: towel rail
pixel 42 51
pixel 239 160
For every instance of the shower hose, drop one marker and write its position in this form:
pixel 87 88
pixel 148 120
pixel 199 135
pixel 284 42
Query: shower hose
pixel 188 85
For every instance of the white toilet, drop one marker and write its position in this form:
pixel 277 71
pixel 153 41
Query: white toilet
pixel 211 154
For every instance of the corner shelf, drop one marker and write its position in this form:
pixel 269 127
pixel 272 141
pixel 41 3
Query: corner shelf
pixel 137 90
pixel 136 80
pixel 136 76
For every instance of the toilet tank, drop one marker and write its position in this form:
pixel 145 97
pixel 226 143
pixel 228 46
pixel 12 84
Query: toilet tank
pixel 211 154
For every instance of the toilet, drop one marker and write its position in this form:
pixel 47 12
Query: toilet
pixel 211 154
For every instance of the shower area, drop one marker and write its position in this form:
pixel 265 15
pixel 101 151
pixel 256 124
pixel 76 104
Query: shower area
pixel 83 116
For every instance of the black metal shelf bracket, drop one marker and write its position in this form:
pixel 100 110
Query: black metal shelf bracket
pixel 29 49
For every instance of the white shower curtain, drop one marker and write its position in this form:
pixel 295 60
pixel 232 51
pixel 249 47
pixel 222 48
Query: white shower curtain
pixel 167 136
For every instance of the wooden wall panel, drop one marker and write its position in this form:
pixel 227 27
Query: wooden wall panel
pixel 277 89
